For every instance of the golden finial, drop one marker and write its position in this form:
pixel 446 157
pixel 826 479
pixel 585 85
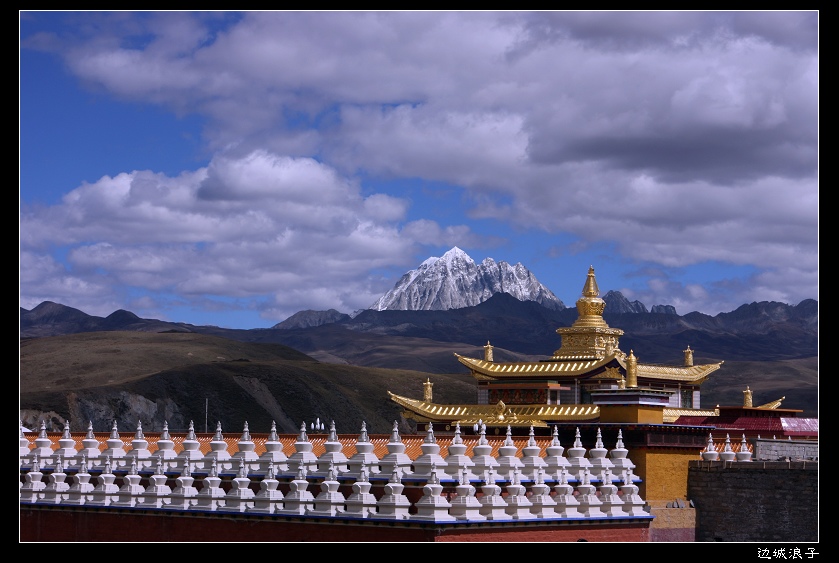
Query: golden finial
pixel 488 352
pixel 590 289
pixel 427 390
pixel 688 357
pixel 631 370
pixel 747 397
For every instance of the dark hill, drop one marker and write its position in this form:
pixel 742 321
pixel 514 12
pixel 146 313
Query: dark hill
pixel 152 378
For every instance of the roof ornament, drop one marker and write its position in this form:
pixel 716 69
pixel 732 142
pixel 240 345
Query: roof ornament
pixel 214 468
pixel 90 430
pixel 66 434
pixel 577 442
pixel 139 434
pixel 272 437
pixel 482 441
pixel 43 432
pixel 619 445
pixel 114 431
pixel 302 437
pixel 165 434
pixel 747 397
pixel 246 435
pixel 218 437
pixel 333 435
pixel 689 357
pixel 599 443
pixel 427 395
pixel 363 436
pixel 160 464
pixel 488 352
pixel 532 440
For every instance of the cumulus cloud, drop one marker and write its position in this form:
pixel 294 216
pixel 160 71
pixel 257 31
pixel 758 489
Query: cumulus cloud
pixel 262 225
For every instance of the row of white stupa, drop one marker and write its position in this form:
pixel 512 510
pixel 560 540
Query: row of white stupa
pixel 527 493
pixel 557 485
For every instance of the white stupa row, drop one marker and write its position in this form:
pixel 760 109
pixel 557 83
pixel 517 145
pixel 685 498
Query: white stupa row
pixel 710 452
pixel 601 465
pixel 492 504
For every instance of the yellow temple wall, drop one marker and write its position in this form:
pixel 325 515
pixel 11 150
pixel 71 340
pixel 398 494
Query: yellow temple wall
pixel 664 471
pixel 632 414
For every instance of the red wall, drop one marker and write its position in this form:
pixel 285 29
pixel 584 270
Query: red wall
pixel 91 524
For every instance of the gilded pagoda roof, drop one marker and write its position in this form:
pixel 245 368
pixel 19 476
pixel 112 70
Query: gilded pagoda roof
pixel 499 413
pixel 493 371
pixel 483 369
pixel 689 374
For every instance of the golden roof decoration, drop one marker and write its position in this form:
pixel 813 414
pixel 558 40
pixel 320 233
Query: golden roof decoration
pixel 499 413
pixel 672 414
pixel 772 405
pixel 491 371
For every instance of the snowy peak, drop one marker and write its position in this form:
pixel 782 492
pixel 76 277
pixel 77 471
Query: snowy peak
pixel 454 281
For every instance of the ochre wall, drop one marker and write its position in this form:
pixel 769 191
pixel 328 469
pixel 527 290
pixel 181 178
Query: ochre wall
pixel 632 413
pixel 665 472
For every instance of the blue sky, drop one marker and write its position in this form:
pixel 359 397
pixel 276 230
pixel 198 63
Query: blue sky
pixel 235 168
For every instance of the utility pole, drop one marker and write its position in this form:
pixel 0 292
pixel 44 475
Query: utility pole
pixel 206 413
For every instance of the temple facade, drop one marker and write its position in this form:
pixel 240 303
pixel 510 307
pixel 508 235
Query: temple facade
pixel 588 370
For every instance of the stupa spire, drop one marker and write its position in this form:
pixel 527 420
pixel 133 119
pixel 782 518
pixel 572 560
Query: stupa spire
pixel 589 336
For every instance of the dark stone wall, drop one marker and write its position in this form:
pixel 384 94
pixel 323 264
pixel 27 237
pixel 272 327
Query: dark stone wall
pixel 755 501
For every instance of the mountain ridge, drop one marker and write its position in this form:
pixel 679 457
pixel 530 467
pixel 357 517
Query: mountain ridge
pixel 455 280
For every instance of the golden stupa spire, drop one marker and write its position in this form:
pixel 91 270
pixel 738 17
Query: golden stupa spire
pixel 590 289
pixel 590 306
pixel 589 336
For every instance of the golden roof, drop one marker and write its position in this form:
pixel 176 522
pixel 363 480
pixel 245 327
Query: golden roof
pixel 688 374
pixel 492 371
pixel 499 413
pixel 565 368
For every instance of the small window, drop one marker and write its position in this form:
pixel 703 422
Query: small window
pixel 687 398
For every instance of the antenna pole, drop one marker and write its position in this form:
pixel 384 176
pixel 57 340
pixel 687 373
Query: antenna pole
pixel 206 412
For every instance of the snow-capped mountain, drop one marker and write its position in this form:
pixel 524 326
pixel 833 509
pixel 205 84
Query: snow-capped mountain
pixel 454 281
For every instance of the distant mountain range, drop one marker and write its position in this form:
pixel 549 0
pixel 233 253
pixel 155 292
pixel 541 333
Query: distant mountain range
pixel 762 331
